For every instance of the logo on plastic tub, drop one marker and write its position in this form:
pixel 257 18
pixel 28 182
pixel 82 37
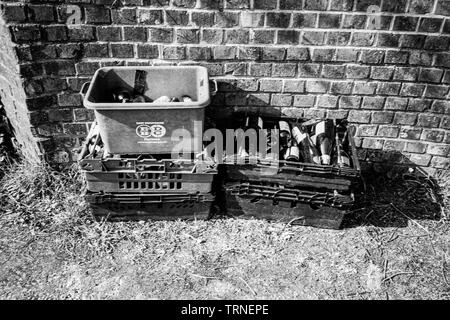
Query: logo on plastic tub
pixel 150 131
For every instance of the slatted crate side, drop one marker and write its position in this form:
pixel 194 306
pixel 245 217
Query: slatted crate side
pixel 134 164
pixel 253 190
pixel 148 182
pixel 120 207
pixel 300 214
pixel 252 173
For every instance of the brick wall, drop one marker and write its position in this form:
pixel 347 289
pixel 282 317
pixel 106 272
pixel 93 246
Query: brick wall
pixel 383 64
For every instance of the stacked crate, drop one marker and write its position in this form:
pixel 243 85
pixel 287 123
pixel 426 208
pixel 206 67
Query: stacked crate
pixel 303 193
pixel 124 187
pixel 127 161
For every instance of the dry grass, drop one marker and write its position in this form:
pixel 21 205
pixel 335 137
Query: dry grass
pixel 51 248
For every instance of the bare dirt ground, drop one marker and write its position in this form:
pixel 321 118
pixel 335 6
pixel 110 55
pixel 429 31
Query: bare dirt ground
pixel 50 248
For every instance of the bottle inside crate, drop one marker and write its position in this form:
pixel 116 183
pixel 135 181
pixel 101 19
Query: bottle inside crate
pixel 315 141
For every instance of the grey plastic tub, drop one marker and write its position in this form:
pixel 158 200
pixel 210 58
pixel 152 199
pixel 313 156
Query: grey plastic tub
pixel 149 127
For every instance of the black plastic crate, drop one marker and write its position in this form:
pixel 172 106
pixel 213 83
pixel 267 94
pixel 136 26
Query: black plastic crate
pixel 289 173
pixel 118 207
pixel 274 202
pixel 141 173
pixel 282 211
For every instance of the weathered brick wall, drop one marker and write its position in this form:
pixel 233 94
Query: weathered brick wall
pixel 383 64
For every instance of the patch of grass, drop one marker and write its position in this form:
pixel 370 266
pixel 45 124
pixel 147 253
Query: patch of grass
pixel 50 247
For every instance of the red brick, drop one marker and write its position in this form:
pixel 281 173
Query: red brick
pixel 26 33
pixel 234 36
pixel 341 87
pixel 304 101
pixel 281 100
pixel 394 145
pixel 136 34
pixel 346 55
pixel 314 113
pixel 372 143
pixel 273 53
pixel 270 85
pixel 314 38
pixel 323 55
pixel 438 149
pixel 69 100
pixel 14 13
pixel 337 114
pixel 147 51
pixel 420 159
pixel 224 53
pixel 435 91
pixel 361 87
pixel 192 3
pixel 388 88
pixel 96 50
pixel 309 70
pixel 236 68
pixel 174 53
pixel 375 103
pixel 283 69
pixel 163 35
pixel 327 101
pixel 393 103
pixel 263 36
pixel 265 4
pixel 87 68
pixel 97 14
pixel 412 89
pixel 85 33
pixel 440 162
pixel 249 53
pixel 432 135
pixel 188 35
pixel 405 118
pixel 359 116
pixel 122 50
pixel 304 20
pixel 294 86
pixel 382 117
pixel 317 86
pixel 288 37
pixel 388 131
pixel 338 38
pixel 381 73
pixel 298 54
pixel 410 133
pixel 415 147
pixel 226 19
pixel 349 102
pixel 203 19
pixel 260 69
pixel 41 13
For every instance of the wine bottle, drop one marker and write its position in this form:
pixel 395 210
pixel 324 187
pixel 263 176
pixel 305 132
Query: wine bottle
pixel 122 96
pixel 292 152
pixel 308 150
pixel 324 132
pixel 140 81
pixel 285 133
pixel 341 158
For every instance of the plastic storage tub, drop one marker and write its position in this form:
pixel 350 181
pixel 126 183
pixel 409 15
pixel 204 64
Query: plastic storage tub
pixel 147 127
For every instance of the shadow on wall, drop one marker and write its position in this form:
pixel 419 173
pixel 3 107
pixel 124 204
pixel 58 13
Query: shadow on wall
pixel 396 190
